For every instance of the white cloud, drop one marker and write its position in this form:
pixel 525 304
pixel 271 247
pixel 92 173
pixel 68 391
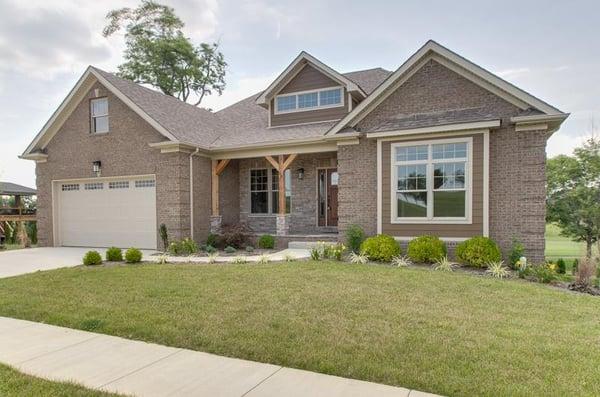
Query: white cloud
pixel 243 88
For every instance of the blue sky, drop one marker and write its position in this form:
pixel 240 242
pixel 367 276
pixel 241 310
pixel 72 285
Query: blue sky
pixel 550 50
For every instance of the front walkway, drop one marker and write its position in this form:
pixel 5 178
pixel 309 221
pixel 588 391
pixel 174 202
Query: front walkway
pixel 144 369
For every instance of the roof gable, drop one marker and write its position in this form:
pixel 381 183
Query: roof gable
pixel 434 51
pixel 302 60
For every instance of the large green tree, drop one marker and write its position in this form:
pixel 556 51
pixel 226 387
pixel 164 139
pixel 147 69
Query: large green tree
pixel 158 53
pixel 573 195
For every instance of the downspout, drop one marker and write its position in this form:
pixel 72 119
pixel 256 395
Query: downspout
pixel 192 192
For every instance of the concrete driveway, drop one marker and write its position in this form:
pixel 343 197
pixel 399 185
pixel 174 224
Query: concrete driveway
pixel 13 263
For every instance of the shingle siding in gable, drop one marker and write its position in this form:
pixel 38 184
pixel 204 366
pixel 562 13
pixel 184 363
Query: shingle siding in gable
pixel 309 78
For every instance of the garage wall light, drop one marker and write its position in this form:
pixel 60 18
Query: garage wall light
pixel 300 173
pixel 97 167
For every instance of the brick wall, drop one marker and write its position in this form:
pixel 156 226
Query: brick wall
pixel 517 159
pixel 123 151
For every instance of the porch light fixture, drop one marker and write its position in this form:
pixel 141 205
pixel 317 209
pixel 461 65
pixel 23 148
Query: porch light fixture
pixel 300 173
pixel 97 167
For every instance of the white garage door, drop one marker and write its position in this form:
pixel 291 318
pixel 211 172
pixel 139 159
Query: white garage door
pixel 105 213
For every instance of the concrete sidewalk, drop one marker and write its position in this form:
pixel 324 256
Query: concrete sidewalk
pixel 144 369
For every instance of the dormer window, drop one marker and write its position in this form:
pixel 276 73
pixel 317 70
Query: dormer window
pixel 99 115
pixel 309 100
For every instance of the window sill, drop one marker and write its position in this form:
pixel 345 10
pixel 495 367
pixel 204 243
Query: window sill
pixel 99 133
pixel 265 215
pixel 439 221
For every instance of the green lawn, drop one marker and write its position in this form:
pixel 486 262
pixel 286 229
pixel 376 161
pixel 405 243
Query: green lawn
pixel 16 384
pixel 452 334
pixel 558 246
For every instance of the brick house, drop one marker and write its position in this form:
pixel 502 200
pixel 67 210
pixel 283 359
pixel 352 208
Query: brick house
pixel 439 146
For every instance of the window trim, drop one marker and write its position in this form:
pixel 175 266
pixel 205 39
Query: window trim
pixel 92 132
pixel 269 191
pixel 430 219
pixel 318 107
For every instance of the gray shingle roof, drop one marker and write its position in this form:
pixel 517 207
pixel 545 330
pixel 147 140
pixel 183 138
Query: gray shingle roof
pixel 243 123
pixel 9 189
pixel 431 119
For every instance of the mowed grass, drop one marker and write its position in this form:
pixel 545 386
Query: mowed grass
pixel 17 384
pixel 449 333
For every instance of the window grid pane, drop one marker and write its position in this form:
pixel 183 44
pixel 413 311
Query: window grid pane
pixel 286 103
pixel 330 97
pixel 447 194
pixel 309 100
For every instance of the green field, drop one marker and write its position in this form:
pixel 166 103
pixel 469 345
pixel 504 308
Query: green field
pixel 558 246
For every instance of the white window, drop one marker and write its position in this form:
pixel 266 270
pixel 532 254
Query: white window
pixel 118 185
pixel 145 183
pixel 69 187
pixel 309 100
pixel 94 186
pixel 431 181
pixel 99 115
pixel 264 191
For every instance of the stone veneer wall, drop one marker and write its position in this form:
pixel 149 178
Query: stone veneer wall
pixel 303 217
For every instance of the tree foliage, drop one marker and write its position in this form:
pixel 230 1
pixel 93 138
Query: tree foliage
pixel 573 194
pixel 157 53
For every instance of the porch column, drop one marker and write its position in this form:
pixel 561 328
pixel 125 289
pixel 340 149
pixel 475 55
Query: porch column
pixel 282 164
pixel 215 219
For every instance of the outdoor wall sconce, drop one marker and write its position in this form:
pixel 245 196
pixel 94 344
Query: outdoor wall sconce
pixel 97 167
pixel 300 173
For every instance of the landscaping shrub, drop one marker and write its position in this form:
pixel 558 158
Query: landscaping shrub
pixel 585 271
pixel 575 265
pixel 443 265
pixel 212 239
pixel 266 241
pixel 561 266
pixel 426 249
pixel 355 235
pixel 235 235
pixel 380 248
pixel 189 246
pixel 315 253
pixel 544 273
pixel 164 235
pixel 175 248
pixel 517 251
pixel 335 251
pixel 210 249
pixel 133 255
pixel 92 258
pixel 114 254
pixel 229 249
pixel 249 248
pixel 478 251
pixel 497 270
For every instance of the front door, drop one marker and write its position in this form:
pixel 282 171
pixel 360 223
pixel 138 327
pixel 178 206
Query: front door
pixel 328 196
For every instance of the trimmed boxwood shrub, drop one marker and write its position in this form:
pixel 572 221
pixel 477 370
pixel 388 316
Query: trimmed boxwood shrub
pixel 478 251
pixel 92 258
pixel 266 241
pixel 133 255
pixel 355 235
pixel 380 248
pixel 426 249
pixel 114 254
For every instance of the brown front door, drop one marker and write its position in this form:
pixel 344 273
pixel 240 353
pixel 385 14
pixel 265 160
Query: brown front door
pixel 328 197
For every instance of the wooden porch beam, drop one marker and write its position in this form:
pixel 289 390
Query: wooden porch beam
pixel 289 161
pixel 274 163
pixel 218 166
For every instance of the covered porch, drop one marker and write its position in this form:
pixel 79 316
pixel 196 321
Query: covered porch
pixel 13 208
pixel 293 196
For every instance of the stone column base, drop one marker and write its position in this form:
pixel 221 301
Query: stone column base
pixel 215 224
pixel 283 225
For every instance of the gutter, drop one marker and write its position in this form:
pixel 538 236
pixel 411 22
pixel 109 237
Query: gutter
pixel 192 192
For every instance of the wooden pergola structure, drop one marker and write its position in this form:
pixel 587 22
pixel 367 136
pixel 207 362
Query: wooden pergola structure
pixel 17 213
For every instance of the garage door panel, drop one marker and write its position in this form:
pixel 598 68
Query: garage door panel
pixel 122 217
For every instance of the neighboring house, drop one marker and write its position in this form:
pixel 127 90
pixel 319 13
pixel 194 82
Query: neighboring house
pixel 440 146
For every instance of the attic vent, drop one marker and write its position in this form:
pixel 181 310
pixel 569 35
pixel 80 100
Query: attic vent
pixel 96 92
